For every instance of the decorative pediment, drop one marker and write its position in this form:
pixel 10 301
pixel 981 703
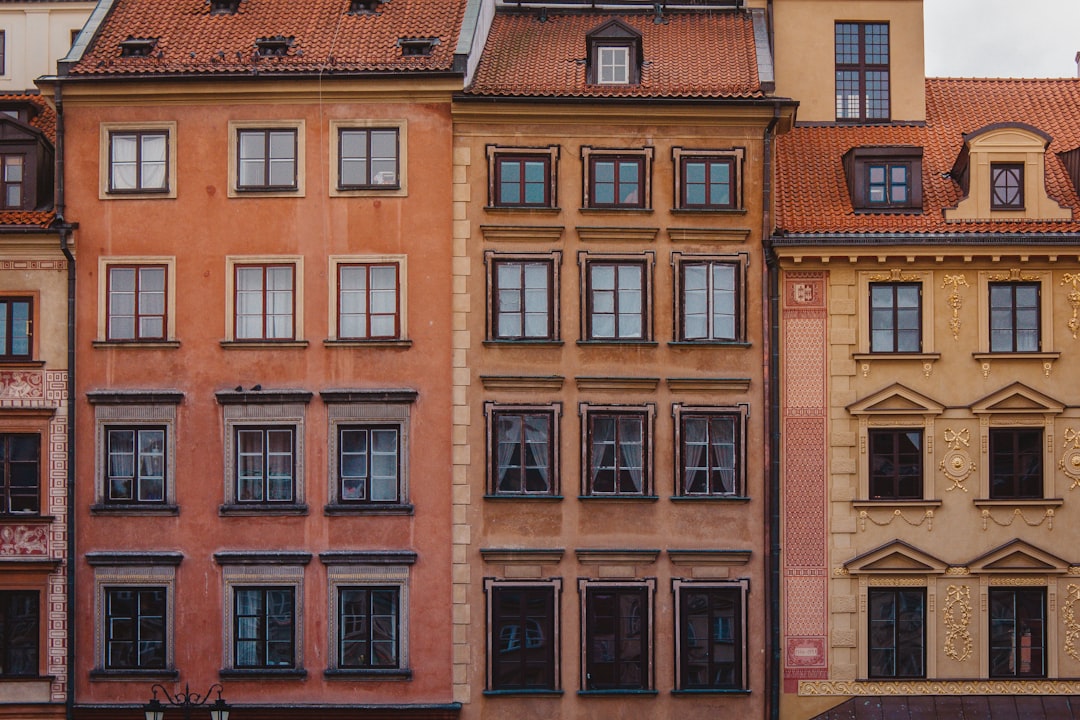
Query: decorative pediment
pixel 896 399
pixel 1017 398
pixel 1018 557
pixel 896 558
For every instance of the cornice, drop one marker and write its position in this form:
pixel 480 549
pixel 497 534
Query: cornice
pixel 548 233
pixel 522 556
pixel 708 112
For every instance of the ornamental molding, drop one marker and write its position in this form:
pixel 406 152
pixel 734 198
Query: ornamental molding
pixel 957 465
pixel 827 688
pixel 1073 296
pixel 1068 616
pixel 1070 458
pixel 895 275
pixel 1014 275
pixel 955 300
pixel 958 612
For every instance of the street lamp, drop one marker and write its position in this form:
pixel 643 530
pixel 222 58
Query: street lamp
pixel 186 701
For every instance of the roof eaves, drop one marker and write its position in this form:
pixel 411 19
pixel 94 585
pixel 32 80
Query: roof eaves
pixel 980 238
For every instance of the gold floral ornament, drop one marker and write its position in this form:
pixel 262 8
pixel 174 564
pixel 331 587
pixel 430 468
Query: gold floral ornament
pixel 927 518
pixel 957 465
pixel 955 301
pixel 958 642
pixel 1070 459
pixel 1074 300
pixel 1072 627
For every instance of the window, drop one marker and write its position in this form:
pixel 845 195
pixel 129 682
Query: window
pixel 3 52
pixel 897 632
pixel 523 450
pixel 368 158
pixel 862 71
pixel 614 54
pixel 711 641
pixel 135 620
pixel 619 451
pixel 522 626
pixel 368 463
pixel 1014 317
pixel 265 627
pixel 1016 463
pixel 136 464
pixel 896 317
pixel 896 469
pixel 137 296
pixel 523 297
pixel 707 183
pixel 888 184
pixel 264 302
pixel 617 636
pixel 265 465
pixel 522 181
pixel 709 302
pixel 368 301
pixel 617 299
pixel 20 632
pixel 369 627
pixel 13 173
pixel 1006 186
pixel 1017 632
pixel 20 456
pixel 613 65
pixel 710 452
pixel 617 179
pixel 884 179
pixel 266 159
pixel 138 161
pixel 16 328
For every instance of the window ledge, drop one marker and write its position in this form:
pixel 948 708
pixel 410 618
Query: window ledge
pixel 711 691
pixel 369 509
pixel 371 675
pixel 1018 502
pixel 237 509
pixel 737 499
pixel 620 498
pixel 530 343
pixel 708 211
pixel 136 344
pixel 523 208
pixel 331 342
pixel 616 210
pixel 1016 355
pixel 523 692
pixel 603 693
pixel 134 509
pixel 262 344
pixel 100 674
pixel 606 342
pixel 741 344
pixel 504 497
pixel 25 519
pixel 896 356
pixel 7 364
pixel 263 673
pixel 888 503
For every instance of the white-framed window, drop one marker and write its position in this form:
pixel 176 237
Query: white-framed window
pixel 370 157
pixel 264 299
pixel 266 158
pixel 137 160
pixel 136 300
pixel 368 299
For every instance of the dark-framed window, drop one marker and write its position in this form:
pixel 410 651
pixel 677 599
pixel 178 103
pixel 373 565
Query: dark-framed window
pixel 895 317
pixel 368 301
pixel 888 184
pixel 618 452
pixel 884 178
pixel 1017 632
pixel 13 176
pixel 20 633
pixel 1007 186
pixel 896 464
pixel 524 451
pixel 368 159
pixel 616 299
pixel 137 303
pixel 522 638
pixel 617 181
pixel 138 161
pixel 266 159
pixel 3 52
pixel 523 298
pixel 710 454
pixel 265 301
pixel 1014 317
pixel 862 71
pixel 20 458
pixel 711 641
pixel 16 328
pixel 523 180
pixel 135 622
pixel 897 632
pixel 1016 463
pixel 264 630
pixel 369 627
pixel 369 463
pixel 707 183
pixel 265 464
pixel 135 464
pixel 617 636
pixel 709 300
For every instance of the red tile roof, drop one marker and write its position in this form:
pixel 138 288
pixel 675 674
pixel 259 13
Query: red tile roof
pixel 45 121
pixel 325 37
pixel 811 190
pixel 691 54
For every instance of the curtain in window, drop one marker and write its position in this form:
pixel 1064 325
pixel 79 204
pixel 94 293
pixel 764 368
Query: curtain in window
pixel 631 453
pixel 537 444
pixel 603 438
pixel 723 448
pixel 508 439
pixel 694 444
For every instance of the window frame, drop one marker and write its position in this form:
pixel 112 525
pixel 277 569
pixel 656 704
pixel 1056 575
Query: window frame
pixel 139 135
pixel 368 135
pixel 926 317
pixel 3 52
pixel 341 429
pixel 232 265
pixel 586 262
pixel 858 162
pixel 267 158
pixel 741 590
pixel 547 155
pixel 105 266
pixel 738 262
pixel 137 621
pixel 1013 308
pixel 107 130
pixel 266 335
pixel 1024 442
pixel 646 415
pixel 8 488
pixel 734 158
pixel 587 590
pixel 269 411
pixel 1003 171
pixel 613 35
pixel 552 595
pixel 262 640
pixel 895 478
pixel 641 157
pixel 137 477
pixel 265 453
pixel 552 261
pixel 336 263
pixel 895 638
pixel 862 69
pixel 553 412
pixel 26 175
pixel 7 303
pixel 400 188
pixel 296 188
pixel 896 332
pixel 1044 620
pixel 368 297
pixel 9 596
pixel 166 293
pixel 738 415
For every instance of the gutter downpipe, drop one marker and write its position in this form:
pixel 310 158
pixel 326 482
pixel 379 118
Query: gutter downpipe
pixel 771 360
pixel 65 239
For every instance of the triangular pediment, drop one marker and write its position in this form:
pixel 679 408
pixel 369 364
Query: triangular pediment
pixel 896 558
pixel 896 399
pixel 613 29
pixel 1017 398
pixel 1017 557
pixel 16 131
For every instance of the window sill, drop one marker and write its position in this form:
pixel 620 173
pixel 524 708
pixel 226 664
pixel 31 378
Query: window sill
pixel 136 344
pixel 1018 502
pixel 7 364
pixel 1047 359
pixel 163 194
pixel 100 674
pixel 370 509
pixel 617 210
pixel 335 343
pixel 708 211
pixel 26 678
pixel 238 509
pixel 372 675
pixel 25 519
pixel 262 344
pixel 523 692
pixel 736 499
pixel 134 509
pixel 604 693
pixel 890 503
pixel 620 498
pixel 888 210
pixel 741 344
pixel 616 342
pixel 504 497
pixel 896 356
pixel 541 210
pixel 263 673
pixel 498 342
pixel 711 691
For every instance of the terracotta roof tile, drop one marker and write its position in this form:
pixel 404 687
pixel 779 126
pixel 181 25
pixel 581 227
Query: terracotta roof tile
pixel 45 121
pixel 691 54
pixel 811 191
pixel 325 37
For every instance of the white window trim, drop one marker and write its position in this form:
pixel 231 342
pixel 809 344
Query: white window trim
pixel 617 63
pixel 360 414
pixel 105 161
pixel 401 125
pixel 157 415
pixel 301 157
pixel 336 261
pixel 288 415
pixel 104 263
pixel 231 262
pixel 358 575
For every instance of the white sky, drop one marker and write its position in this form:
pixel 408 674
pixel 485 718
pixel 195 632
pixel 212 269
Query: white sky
pixel 1008 38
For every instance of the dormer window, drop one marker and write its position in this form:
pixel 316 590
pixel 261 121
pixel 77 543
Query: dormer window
pixel 884 179
pixel 224 7
pixel 137 47
pixel 614 54
pixel 277 46
pixel 26 162
pixel 417 47
pixel 364 7
pixel 1007 186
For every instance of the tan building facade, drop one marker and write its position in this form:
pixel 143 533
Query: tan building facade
pixel 34 34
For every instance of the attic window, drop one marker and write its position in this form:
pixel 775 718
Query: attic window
pixel 276 46
pixel 417 47
pixel 137 47
pixel 224 7
pixel 614 54
pixel 364 7
pixel 884 179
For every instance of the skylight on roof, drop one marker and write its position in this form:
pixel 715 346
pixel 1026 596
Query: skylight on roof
pixel 417 47
pixel 364 7
pixel 224 7
pixel 137 47
pixel 276 46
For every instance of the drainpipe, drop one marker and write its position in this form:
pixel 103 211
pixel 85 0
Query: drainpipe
pixel 65 247
pixel 771 358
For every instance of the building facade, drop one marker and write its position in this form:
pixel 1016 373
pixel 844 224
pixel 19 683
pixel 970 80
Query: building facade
pixel 34 34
